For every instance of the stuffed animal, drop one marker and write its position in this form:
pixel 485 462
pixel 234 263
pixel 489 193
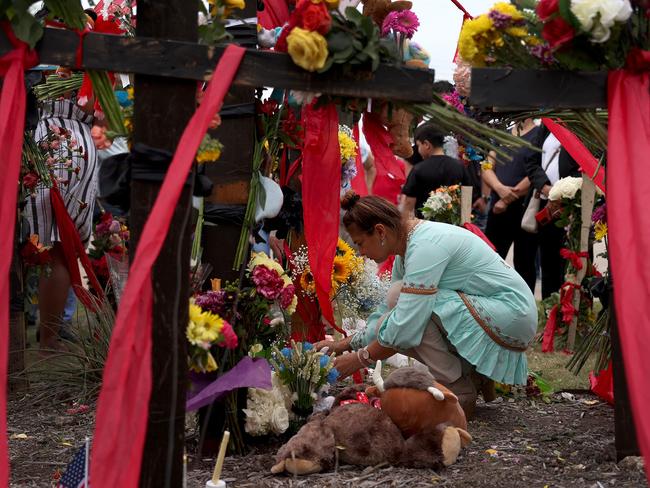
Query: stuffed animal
pixel 416 402
pixel 363 435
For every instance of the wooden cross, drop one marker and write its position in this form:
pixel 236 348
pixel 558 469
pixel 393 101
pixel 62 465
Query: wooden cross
pixel 167 61
pixel 513 89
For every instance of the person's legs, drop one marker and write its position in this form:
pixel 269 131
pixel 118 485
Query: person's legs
pixel 525 253
pixel 551 240
pixel 52 295
pixel 499 232
pixel 446 365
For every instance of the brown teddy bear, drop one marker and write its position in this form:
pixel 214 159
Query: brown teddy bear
pixel 416 402
pixel 364 435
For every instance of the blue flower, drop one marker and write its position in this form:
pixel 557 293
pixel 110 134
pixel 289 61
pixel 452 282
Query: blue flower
pixel 324 360
pixel 332 375
pixel 307 346
pixel 286 352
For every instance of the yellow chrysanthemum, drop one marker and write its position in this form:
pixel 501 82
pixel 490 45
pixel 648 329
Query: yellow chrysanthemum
pixel 600 230
pixel 517 31
pixel 348 147
pixel 475 37
pixel 508 9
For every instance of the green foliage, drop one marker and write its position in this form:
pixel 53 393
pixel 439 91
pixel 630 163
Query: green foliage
pixel 354 42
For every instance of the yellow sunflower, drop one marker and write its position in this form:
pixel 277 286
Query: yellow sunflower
pixel 307 282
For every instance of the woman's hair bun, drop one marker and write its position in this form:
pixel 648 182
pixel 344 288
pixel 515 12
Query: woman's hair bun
pixel 349 200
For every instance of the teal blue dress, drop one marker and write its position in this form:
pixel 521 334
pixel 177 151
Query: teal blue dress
pixel 486 309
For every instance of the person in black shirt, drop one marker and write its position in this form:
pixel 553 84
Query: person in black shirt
pixel 434 171
pixel 510 184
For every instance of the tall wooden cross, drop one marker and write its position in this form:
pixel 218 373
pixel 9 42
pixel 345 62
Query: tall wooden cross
pixel 511 89
pixel 167 62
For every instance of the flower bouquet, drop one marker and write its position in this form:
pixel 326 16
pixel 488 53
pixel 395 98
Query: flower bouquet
pixel 206 330
pixel 348 149
pixel 268 411
pixel 443 205
pixel 304 371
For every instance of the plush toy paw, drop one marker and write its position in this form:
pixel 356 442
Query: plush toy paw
pixel 453 440
pixel 296 466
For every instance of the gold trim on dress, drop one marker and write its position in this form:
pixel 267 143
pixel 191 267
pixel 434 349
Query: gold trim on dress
pixel 486 328
pixel 419 291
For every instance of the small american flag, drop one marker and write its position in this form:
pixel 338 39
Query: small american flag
pixel 76 471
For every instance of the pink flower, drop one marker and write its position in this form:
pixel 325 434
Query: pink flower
pixel 115 227
pixel 229 337
pixel 98 135
pixel 404 22
pixel 268 282
pixel 55 128
pixel 286 296
pixel 55 145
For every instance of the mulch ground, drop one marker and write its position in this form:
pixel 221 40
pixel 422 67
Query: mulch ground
pixel 521 442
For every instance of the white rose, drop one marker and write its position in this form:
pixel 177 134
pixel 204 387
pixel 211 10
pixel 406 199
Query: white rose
pixel 610 11
pixel 565 188
pixel 254 424
pixel 279 420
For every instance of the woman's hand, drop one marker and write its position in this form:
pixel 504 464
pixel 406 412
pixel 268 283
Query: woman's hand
pixel 337 347
pixel 347 364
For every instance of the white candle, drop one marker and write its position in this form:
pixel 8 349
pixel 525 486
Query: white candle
pixel 222 454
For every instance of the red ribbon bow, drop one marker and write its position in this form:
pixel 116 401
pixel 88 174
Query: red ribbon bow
pixel 574 257
pixel 363 398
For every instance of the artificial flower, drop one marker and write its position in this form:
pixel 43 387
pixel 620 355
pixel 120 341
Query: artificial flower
pixel 404 22
pixel 546 8
pixel 557 32
pixel 605 12
pixel 307 49
pixel 312 16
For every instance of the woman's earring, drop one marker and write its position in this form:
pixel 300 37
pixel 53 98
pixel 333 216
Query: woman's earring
pixel 382 242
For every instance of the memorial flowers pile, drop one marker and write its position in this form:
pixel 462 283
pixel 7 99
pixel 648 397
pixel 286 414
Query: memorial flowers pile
pixel 304 371
pixel 443 205
pixel 268 411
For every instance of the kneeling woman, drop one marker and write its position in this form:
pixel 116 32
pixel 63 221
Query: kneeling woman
pixel 461 307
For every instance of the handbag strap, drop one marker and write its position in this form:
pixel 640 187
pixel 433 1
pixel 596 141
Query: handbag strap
pixel 557 150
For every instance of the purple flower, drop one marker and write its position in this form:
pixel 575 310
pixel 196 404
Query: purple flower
pixel 212 301
pixel 542 52
pixel 500 20
pixel 600 214
pixel 404 22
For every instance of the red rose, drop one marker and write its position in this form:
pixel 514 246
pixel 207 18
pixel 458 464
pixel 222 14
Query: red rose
pixel 546 8
pixel 269 107
pixel 30 180
pixel 314 17
pixel 557 32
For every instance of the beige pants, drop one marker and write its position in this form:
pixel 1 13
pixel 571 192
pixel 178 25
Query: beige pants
pixel 435 353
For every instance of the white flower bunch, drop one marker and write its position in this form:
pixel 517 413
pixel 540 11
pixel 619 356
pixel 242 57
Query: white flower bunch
pixel 358 299
pixel 565 188
pixel 436 203
pixel 598 16
pixel 267 411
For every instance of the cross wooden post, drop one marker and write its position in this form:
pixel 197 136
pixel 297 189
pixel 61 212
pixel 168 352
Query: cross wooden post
pixel 162 108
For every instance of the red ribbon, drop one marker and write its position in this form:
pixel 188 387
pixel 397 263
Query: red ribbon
pixel 578 151
pixel 73 249
pixel 321 183
pixel 12 123
pixel 363 398
pixel 602 383
pixel 574 257
pixel 390 174
pixel 548 340
pixel 628 183
pixel 122 408
pixel 359 181
pixel 274 14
